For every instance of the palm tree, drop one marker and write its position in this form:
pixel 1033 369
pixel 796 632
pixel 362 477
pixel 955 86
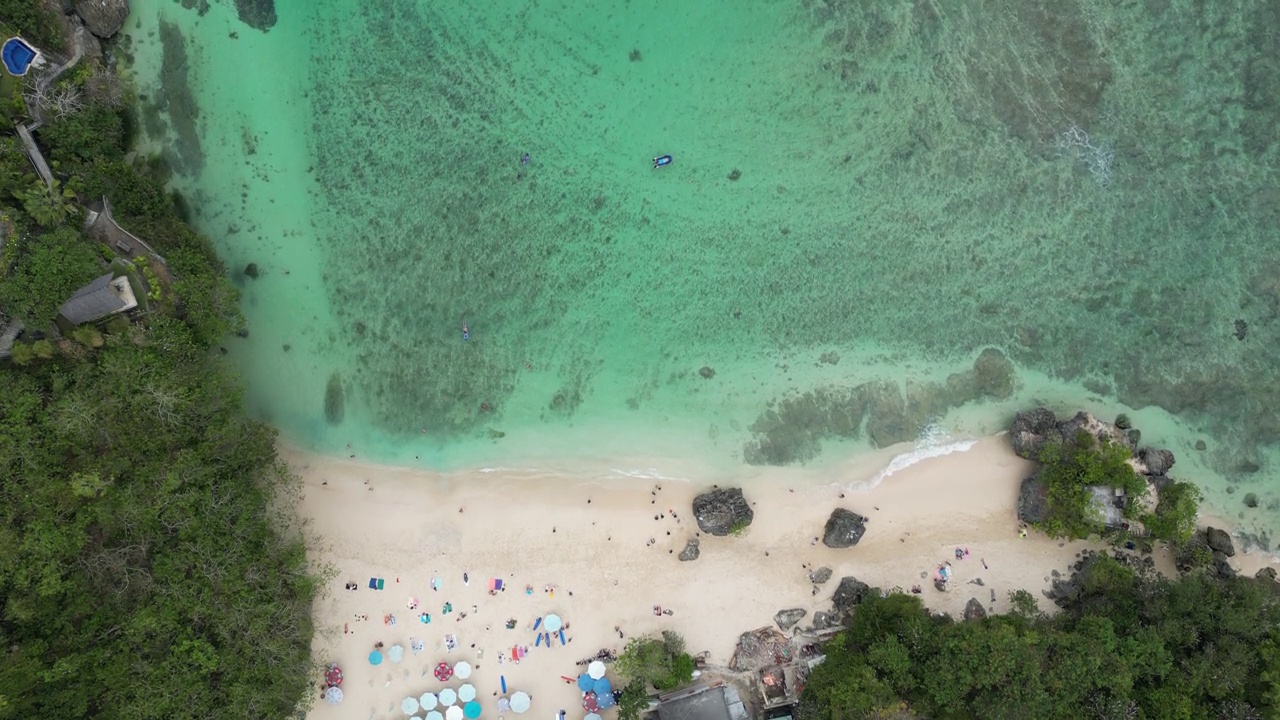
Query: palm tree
pixel 49 207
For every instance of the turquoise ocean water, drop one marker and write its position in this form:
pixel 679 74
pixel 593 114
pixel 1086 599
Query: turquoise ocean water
pixel 865 195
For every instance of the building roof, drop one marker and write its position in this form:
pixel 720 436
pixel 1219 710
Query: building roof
pixel 98 299
pixel 703 703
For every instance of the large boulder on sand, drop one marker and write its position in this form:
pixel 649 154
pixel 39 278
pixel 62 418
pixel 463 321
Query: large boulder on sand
pixel 843 529
pixel 722 510
pixel 787 619
pixel 820 576
pixel 973 610
pixel 690 551
pixel 849 594
pixel 1033 501
pixel 1220 541
pixel 104 18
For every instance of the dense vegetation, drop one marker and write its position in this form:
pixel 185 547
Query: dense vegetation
pixel 143 571
pixel 1069 469
pixel 660 662
pixel 1128 646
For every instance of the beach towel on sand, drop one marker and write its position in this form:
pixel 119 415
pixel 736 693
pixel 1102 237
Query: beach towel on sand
pixel 373 583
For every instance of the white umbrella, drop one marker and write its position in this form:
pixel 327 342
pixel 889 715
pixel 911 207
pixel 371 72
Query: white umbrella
pixel 435 715
pixel 453 713
pixel 396 653
pixel 595 669
pixel 592 716
pixel 462 669
pixel 333 695
pixel 448 696
pixel 409 705
pixel 428 701
pixel 467 693
pixel 520 702
pixel 552 622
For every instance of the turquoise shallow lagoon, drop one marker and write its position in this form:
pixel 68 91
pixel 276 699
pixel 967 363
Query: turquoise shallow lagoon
pixel 865 196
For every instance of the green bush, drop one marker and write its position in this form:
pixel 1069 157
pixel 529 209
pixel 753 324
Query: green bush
pixel 1175 516
pixel 47 270
pixel 1068 469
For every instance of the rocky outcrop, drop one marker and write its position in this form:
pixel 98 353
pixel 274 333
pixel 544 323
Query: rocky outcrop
pixel 690 551
pixel 1220 541
pixel 843 529
pixel 1033 501
pixel 787 619
pixel 1157 461
pixel 1033 429
pixel 1266 573
pixel 973 610
pixel 823 620
pixel 721 511
pixel 104 18
pixel 849 594
pixel 820 576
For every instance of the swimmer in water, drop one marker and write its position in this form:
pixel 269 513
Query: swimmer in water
pixel 466 334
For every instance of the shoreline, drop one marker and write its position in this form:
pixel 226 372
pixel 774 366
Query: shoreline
pixel 606 549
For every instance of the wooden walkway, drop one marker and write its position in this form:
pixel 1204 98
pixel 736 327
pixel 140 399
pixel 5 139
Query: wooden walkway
pixel 37 159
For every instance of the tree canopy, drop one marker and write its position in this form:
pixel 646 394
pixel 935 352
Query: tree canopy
pixel 143 570
pixel 1130 645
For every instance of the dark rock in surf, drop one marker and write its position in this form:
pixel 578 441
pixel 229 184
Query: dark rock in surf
pixel 251 270
pixel 257 14
pixel 1220 541
pixel 1158 461
pixel 104 18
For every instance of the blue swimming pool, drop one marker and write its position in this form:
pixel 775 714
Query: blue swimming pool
pixel 17 56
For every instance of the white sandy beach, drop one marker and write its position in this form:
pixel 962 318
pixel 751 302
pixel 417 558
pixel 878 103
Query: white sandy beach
pixel 588 538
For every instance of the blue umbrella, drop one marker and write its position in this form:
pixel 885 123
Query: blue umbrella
pixel 585 682
pixel 471 710
pixel 375 658
pixel 604 702
pixel 601 687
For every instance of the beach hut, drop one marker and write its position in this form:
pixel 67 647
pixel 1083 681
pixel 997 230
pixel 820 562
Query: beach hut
pixel 448 696
pixel 409 705
pixel 462 670
pixel 552 623
pixel 453 713
pixel 428 701
pixel 595 669
pixel 467 693
pixel 333 695
pixel 520 702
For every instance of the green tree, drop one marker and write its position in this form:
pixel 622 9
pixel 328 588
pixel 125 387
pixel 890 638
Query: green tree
pixel 48 269
pixel 49 207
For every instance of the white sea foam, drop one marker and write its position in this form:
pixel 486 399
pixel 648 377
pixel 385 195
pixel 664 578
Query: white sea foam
pixel 933 442
pixel 647 474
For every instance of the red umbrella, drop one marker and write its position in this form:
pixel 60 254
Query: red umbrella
pixel 589 702
pixel 443 672
pixel 333 676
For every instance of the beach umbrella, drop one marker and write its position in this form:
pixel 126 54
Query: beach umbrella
pixel 592 716
pixel 586 682
pixel 409 705
pixel 396 653
pixel 462 670
pixel 375 658
pixel 471 710
pixel 435 715
pixel 442 672
pixel 504 705
pixel 467 693
pixel 520 702
pixel 448 696
pixel 453 713
pixel 590 703
pixel 333 676
pixel 604 702
pixel 552 623
pixel 428 701
pixel 602 687
pixel 595 669
pixel 333 695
